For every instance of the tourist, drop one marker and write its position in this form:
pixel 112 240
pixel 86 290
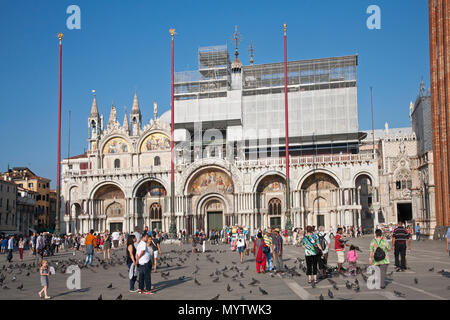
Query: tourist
pixel 107 245
pixel 269 244
pixel 339 247
pixel 242 246
pixel 115 238
pixel 448 240
pixel 194 244
pixel 418 232
pixel 10 248
pixel 144 259
pixel 294 236
pixel 90 244
pixel 4 244
pixel 40 245
pixel 399 237
pixel 156 247
pixel 324 240
pixel 380 257
pixel 278 252
pixel 44 273
pixel 131 261
pixel 82 242
pixel 352 259
pixel 258 250
pixel 310 243
pixel 21 247
pixel 203 241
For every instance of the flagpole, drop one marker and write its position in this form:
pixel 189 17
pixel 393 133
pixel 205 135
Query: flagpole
pixel 58 181
pixel 288 224
pixel 173 226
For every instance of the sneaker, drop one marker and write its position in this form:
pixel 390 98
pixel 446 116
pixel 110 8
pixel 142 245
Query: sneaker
pixel 140 291
pixel 149 292
pixel 133 291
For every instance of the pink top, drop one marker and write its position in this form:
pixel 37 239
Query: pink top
pixel 352 256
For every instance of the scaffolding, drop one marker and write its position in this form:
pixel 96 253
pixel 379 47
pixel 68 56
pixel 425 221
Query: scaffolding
pixel 212 78
pixel 316 74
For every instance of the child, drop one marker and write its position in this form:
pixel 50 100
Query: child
pixel 44 272
pixel 352 258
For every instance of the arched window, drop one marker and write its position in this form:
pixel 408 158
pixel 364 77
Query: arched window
pixel 116 163
pixel 155 211
pixel 157 161
pixel 275 207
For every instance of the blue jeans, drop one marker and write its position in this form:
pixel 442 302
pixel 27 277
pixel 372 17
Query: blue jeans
pixel 145 276
pixel 269 260
pixel 132 280
pixel 418 236
pixel 89 254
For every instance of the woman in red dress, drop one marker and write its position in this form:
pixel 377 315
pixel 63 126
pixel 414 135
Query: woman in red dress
pixel 260 256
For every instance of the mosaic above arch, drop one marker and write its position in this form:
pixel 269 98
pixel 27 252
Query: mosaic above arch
pixel 211 180
pixel 319 181
pixel 151 189
pixel 155 142
pixel 273 183
pixel 116 145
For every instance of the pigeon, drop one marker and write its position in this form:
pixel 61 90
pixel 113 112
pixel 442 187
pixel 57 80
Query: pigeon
pixel 110 286
pixel 254 281
pixel 20 287
pixel 313 284
pixel 431 269
pixel 331 281
pixel 100 297
pixel 264 292
pixel 348 285
pixel 216 279
pixel 330 294
pixel 122 276
pixel 416 281
pixel 197 283
pixel 399 294
pixel 13 278
pixel 225 275
pixel 5 287
pixel 119 297
pixel 335 287
pixel 211 275
pixel 181 278
pixel 229 288
pixel 321 297
pixel 241 285
pixel 216 297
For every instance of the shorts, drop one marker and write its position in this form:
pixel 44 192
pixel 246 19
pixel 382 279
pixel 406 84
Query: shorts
pixel 241 249
pixel 106 245
pixel 156 254
pixel 340 256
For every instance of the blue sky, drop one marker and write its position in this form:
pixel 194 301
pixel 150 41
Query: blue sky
pixel 125 45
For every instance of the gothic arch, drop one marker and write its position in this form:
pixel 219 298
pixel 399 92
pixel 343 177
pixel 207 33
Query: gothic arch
pixel 361 173
pixel 266 174
pixel 104 183
pixel 210 196
pixel 314 171
pixel 141 181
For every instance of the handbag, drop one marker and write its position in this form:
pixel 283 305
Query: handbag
pixel 246 251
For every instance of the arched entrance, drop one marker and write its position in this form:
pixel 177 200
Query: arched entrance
pixel 365 193
pixel 109 208
pixel 318 189
pixel 274 210
pixel 213 211
pixel 150 204
pixel 269 206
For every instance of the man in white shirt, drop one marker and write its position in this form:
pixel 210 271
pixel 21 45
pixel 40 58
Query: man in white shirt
pixel 115 238
pixel 137 235
pixel 10 248
pixel 144 259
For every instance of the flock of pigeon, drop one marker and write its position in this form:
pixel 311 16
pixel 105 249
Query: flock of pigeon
pixel 234 279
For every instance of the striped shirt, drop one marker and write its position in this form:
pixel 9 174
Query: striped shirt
pixel 400 235
pixel 268 240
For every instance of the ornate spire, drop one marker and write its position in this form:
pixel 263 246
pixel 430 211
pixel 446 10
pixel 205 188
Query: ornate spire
pixel 125 121
pixel 251 50
pixel 94 109
pixel 236 64
pixel 112 117
pixel 135 109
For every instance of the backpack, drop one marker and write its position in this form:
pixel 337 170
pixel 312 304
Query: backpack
pixel 323 243
pixel 379 254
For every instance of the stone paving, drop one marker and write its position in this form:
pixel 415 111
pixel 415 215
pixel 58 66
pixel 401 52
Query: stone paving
pixel 424 256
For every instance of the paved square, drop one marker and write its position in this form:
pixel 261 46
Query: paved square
pixel 179 262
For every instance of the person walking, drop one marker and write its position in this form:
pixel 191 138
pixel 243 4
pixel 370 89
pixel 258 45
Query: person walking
pixel 144 259
pixel 399 237
pixel 310 243
pixel 131 261
pixel 278 252
pixel 44 274
pixel 324 240
pixel 268 243
pixel 10 248
pixel 242 246
pixel 21 247
pixel 258 251
pixel 352 259
pixel 378 255
pixel 418 232
pixel 116 238
pixel 107 245
pixel 156 246
pixel 90 242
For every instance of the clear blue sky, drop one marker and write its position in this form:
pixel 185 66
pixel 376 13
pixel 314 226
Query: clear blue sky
pixel 125 45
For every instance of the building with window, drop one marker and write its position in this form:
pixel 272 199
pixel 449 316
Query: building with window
pixel 8 206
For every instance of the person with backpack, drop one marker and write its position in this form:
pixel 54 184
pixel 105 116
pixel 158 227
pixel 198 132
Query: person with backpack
pixel 313 251
pixel 324 240
pixel 378 255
